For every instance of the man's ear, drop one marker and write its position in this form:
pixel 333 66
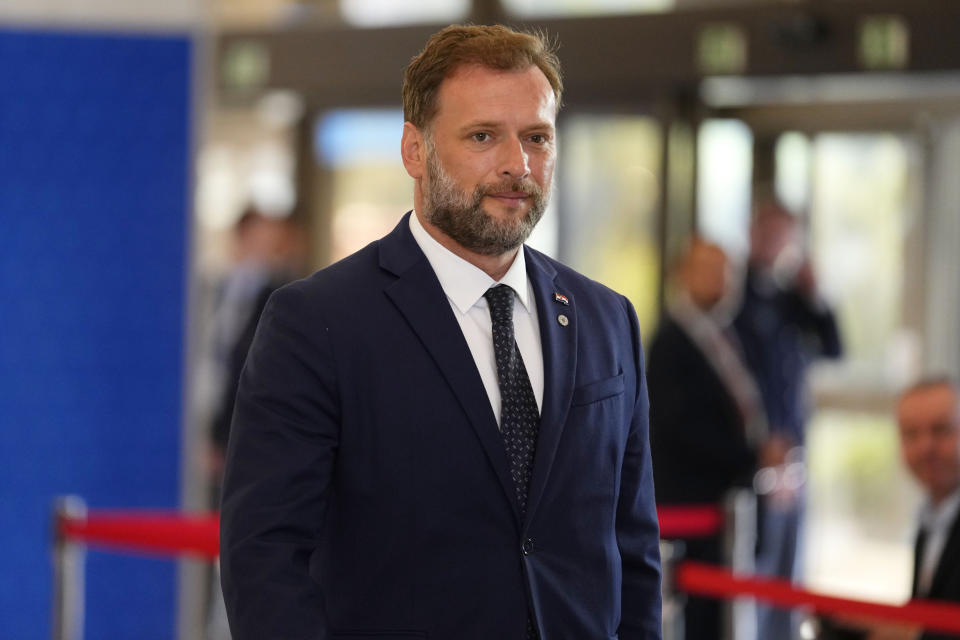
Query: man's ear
pixel 413 151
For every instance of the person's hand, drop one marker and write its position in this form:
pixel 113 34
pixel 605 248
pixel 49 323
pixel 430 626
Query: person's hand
pixel 874 630
pixel 774 451
pixel 806 280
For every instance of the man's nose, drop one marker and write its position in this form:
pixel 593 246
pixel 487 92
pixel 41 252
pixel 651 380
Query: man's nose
pixel 514 161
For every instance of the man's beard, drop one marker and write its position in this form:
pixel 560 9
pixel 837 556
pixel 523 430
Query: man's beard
pixel 462 217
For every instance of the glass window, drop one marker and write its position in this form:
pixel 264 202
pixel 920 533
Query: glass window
pixel 860 200
pixel 610 184
pixel 861 503
pixel 724 176
pixel 370 190
pixel 792 181
pixel 861 508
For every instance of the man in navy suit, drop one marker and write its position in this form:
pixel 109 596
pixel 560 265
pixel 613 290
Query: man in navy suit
pixel 783 326
pixel 444 435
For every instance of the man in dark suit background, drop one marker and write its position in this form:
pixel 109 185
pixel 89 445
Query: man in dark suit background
pixel 783 325
pixel 928 416
pixel 445 435
pixel 929 419
pixel 707 424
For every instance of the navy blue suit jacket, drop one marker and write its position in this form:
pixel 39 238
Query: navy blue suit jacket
pixel 367 490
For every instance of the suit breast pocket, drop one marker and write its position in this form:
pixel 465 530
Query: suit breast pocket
pixel 599 390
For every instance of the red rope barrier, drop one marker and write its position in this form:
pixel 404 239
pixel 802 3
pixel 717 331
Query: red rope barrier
pixel 689 521
pixel 164 533
pixel 704 579
pixel 168 533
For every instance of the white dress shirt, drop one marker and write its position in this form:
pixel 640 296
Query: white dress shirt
pixel 936 521
pixel 465 285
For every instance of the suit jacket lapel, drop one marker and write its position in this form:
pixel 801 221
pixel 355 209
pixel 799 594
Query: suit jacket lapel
pixel 949 559
pixel 559 345
pixel 918 546
pixel 418 295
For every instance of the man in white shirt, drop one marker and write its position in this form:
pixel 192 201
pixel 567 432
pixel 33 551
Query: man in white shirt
pixel 928 415
pixel 445 434
pixel 929 419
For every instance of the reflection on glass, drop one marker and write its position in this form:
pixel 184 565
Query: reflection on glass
pixel 585 7
pixel 792 183
pixel 610 183
pixel 858 210
pixel 724 175
pixel 381 13
pixel 861 508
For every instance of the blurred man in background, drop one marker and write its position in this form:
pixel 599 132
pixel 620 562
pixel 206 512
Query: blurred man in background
pixel 928 416
pixel 266 252
pixel 783 325
pixel 707 423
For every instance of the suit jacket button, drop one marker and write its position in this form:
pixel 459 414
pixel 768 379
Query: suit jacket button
pixel 527 546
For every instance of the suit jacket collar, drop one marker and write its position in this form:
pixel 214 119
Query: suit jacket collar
pixel 420 298
pixel 558 338
pixel 948 562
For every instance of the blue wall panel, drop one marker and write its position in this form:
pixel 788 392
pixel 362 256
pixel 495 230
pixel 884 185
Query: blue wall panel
pixel 94 157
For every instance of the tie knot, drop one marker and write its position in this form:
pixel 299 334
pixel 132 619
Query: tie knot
pixel 500 299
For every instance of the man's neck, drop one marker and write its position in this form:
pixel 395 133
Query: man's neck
pixel 495 266
pixel 937 501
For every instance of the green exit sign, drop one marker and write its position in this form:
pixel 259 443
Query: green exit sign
pixel 246 67
pixel 722 49
pixel 884 43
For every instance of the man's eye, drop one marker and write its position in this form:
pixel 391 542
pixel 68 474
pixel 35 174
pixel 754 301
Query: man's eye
pixel 481 137
pixel 538 138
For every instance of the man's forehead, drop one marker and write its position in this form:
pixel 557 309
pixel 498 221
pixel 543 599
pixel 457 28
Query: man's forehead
pixel 467 68
pixel 467 74
pixel 928 403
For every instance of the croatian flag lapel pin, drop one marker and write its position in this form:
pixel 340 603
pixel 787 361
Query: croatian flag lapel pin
pixel 562 299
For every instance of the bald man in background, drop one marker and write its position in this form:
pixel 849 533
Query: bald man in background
pixel 707 424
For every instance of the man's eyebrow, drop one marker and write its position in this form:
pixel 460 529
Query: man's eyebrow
pixel 491 124
pixel 488 124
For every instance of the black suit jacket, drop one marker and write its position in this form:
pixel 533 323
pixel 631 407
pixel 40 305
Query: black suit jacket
pixel 367 490
pixel 946 578
pixel 781 332
pixel 697 436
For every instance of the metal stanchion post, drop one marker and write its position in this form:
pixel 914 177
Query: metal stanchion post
pixel 671 553
pixel 739 545
pixel 68 575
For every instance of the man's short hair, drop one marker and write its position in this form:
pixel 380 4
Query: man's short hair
pixel 930 382
pixel 496 47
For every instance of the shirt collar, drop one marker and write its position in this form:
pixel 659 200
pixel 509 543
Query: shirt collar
pixel 941 516
pixel 463 282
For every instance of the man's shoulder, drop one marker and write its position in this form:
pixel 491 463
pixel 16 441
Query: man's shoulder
pixel 338 282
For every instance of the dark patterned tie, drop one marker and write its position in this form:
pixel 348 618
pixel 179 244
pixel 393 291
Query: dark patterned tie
pixel 519 415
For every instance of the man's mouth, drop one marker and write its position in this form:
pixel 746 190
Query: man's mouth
pixel 511 198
